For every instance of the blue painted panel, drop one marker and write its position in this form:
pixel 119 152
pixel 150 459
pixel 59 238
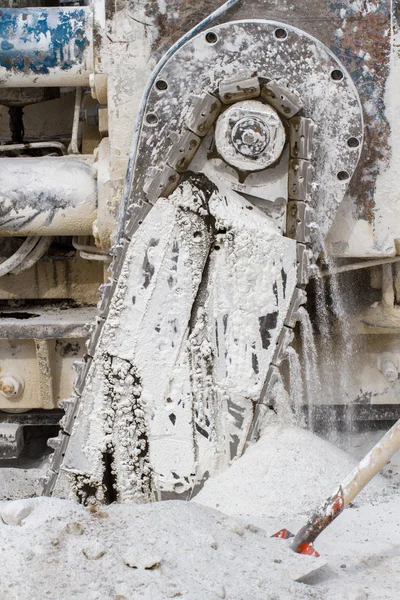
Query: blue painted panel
pixel 35 40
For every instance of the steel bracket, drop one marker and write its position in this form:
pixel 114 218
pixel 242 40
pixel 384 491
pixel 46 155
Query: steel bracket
pixel 183 150
pixel 82 367
pixel 204 113
pixel 299 179
pixel 161 182
pixel 304 260
pixel 299 298
pixel 301 137
pixel 297 222
pixel 240 87
pixel 70 407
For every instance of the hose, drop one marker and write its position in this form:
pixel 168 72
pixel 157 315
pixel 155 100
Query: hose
pixel 38 251
pixel 19 256
pixel 139 119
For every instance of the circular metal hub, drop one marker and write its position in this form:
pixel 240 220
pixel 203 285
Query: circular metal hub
pixel 250 135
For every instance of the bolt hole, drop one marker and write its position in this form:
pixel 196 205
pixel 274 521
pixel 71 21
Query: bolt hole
pixel 353 142
pixel 197 234
pixel 211 37
pixel 337 75
pixel 343 175
pixel 161 85
pixel 280 33
pixel 217 247
pixel 151 118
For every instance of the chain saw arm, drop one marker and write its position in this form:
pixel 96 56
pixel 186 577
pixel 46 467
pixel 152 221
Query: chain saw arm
pixel 243 160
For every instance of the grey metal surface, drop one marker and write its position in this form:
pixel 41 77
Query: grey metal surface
pixel 286 102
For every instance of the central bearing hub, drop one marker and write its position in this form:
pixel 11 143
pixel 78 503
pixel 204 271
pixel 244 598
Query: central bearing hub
pixel 250 135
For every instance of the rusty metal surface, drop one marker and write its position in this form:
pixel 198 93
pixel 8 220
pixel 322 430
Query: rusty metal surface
pixel 319 521
pixel 65 52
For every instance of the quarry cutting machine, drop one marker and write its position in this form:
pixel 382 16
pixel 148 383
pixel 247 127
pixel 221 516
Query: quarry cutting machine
pixel 265 139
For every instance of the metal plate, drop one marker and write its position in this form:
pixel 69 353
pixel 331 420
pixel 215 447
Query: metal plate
pixel 299 61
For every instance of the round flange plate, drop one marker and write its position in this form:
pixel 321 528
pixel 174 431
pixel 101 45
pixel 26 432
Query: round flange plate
pixel 299 61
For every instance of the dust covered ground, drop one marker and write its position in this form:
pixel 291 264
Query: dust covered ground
pixel 218 545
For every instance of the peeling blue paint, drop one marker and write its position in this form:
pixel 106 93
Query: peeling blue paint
pixel 35 40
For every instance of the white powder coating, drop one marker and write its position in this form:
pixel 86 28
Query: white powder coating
pixel 298 470
pixel 164 550
pixel 185 550
pixel 185 349
pixel 47 196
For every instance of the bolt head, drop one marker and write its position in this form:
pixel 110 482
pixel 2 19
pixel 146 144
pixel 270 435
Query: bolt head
pixel 250 136
pixel 11 386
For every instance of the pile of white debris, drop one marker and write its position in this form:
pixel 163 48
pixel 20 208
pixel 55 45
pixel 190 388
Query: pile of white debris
pixel 218 545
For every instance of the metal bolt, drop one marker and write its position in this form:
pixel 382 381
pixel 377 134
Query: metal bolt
pixel 387 364
pixel 11 386
pixel 250 136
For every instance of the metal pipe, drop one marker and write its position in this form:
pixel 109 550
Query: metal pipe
pixel 47 196
pixel 387 287
pixel 46 46
pixel 90 252
pixel 73 147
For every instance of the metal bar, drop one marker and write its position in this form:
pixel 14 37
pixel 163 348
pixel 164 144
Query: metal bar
pixel 33 417
pixel 45 376
pixel 37 323
pixel 46 46
pixel 361 265
pixel 73 148
pixel 362 413
pixel 6 148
